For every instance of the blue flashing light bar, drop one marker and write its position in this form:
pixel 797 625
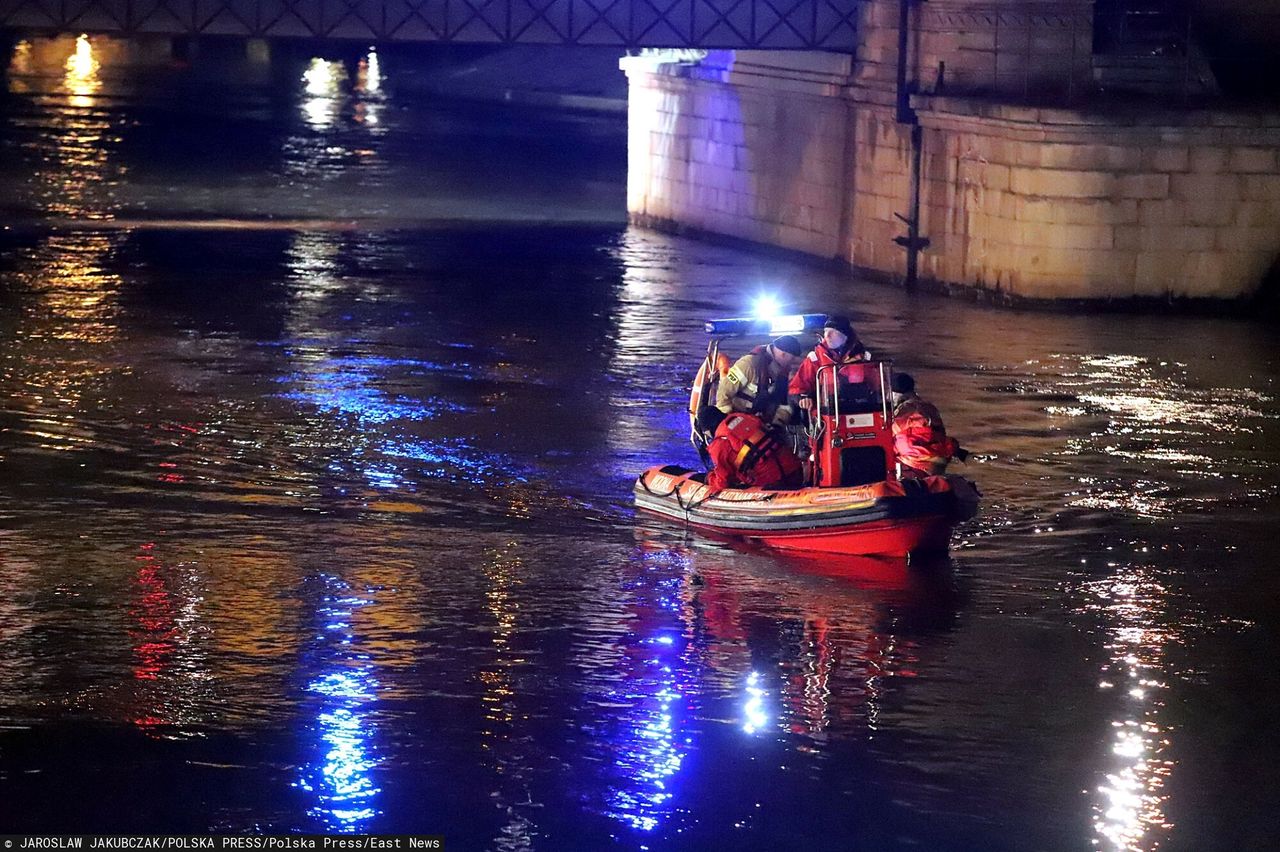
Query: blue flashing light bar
pixel 787 324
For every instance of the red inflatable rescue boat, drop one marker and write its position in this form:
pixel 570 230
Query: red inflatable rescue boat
pixel 858 501
pixel 890 518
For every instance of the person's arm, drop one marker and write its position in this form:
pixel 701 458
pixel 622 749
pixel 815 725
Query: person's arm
pixel 800 390
pixel 727 389
pixel 718 477
pixel 802 382
pixel 732 383
pixel 951 445
pixel 934 416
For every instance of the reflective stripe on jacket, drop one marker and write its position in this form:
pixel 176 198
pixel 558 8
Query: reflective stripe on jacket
pixel 753 385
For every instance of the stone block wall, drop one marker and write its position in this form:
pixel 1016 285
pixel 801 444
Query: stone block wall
pixel 754 151
pixel 1012 48
pixel 1029 203
pixel 1048 204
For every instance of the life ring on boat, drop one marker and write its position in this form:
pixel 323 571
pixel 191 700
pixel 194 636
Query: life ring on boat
pixel 705 382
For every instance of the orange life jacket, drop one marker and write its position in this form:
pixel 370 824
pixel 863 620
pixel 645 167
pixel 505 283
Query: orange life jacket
pixel 920 438
pixel 746 455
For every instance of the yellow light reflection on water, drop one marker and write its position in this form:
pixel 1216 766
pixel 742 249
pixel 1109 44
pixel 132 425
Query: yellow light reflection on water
pixel 1143 412
pixel 80 296
pixel 82 67
pixel 20 63
pixel 82 80
pixel 503 569
pixel 322 87
pixel 1129 802
pixel 74 144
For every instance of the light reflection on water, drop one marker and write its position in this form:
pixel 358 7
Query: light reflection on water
pixel 82 73
pixel 170 639
pixel 75 169
pixel 650 735
pixel 754 711
pixel 1140 412
pixel 482 400
pixel 73 286
pixel 1130 801
pixel 325 93
pixel 107 129
pixel 340 778
pixel 341 386
pixel 322 83
pixel 502 735
pixel 680 663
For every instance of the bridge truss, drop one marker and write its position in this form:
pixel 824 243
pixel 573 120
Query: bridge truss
pixel 727 24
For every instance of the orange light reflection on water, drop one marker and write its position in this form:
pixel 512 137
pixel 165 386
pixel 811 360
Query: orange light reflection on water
pixel 501 739
pixel 75 167
pixel 82 79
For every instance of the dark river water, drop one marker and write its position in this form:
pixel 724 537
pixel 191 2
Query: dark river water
pixel 317 437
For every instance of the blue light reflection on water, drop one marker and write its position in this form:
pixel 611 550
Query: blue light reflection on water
pixel 650 751
pixel 449 458
pixel 652 738
pixel 348 386
pixel 339 778
pixel 344 386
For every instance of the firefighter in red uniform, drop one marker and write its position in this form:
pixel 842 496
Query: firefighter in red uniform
pixel 919 436
pixel 839 346
pixel 745 454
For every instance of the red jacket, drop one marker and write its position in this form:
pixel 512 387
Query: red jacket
pixel 805 381
pixel 746 456
pixel 920 438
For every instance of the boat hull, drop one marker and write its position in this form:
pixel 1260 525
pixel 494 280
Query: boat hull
pixel 883 519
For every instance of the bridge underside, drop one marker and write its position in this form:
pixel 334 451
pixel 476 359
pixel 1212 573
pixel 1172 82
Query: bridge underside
pixel 728 24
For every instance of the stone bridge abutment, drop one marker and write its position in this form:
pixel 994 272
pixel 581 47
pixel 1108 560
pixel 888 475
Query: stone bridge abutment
pixel 1033 183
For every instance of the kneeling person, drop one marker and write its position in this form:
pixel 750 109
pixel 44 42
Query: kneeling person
pixel 745 454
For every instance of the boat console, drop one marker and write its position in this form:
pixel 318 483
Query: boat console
pixel 851 431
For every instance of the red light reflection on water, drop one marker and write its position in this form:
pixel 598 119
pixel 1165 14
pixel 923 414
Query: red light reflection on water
pixel 155 627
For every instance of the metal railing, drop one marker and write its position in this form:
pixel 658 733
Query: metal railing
pixel 721 24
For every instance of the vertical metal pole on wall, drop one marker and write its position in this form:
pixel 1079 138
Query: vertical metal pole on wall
pixel 995 57
pixel 905 115
pixel 912 242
